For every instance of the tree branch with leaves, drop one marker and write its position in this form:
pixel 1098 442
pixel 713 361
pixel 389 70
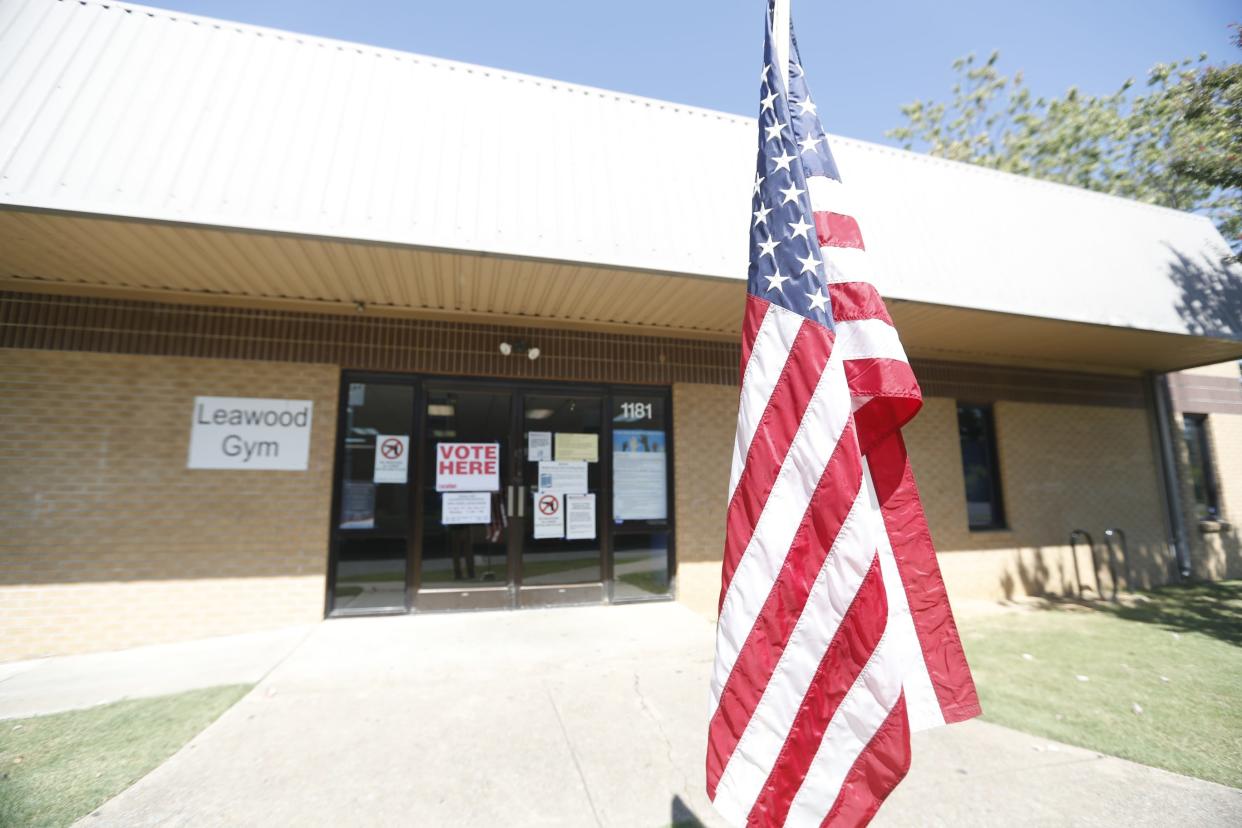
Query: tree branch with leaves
pixel 1176 142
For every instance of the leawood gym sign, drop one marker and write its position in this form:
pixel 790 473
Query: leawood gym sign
pixel 248 433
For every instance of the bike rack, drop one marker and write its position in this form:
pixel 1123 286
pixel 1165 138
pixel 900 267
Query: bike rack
pixel 1095 568
pixel 1120 536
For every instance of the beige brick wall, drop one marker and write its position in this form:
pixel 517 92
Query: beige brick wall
pixel 109 541
pixel 704 420
pixel 1062 467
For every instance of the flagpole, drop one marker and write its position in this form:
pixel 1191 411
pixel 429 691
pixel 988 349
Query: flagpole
pixel 780 38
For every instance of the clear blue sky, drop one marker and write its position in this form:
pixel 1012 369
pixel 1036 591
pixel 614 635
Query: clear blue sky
pixel 863 59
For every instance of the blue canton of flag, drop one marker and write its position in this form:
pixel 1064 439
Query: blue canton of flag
pixel 786 266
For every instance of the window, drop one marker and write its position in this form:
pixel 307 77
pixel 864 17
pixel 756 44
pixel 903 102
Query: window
pixel 1202 474
pixel 984 509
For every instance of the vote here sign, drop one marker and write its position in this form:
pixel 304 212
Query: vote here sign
pixel 467 467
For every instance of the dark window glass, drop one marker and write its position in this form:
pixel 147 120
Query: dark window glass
pixel 373 517
pixel 1202 471
pixel 370 574
pixel 640 565
pixel 976 431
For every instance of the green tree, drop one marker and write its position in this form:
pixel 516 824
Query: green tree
pixel 1176 142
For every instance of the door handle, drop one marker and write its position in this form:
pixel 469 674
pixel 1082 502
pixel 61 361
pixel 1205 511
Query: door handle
pixel 521 501
pixel 509 500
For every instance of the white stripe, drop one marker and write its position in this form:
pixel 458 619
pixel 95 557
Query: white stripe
pixel 853 725
pixel 826 414
pixel 846 264
pixel 831 196
pixel 869 339
pixel 830 597
pixel 922 705
pixel 771 348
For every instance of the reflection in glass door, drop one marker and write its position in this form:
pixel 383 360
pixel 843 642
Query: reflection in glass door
pixel 466 498
pixel 372 518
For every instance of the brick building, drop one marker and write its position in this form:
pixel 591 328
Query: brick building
pixel 254 283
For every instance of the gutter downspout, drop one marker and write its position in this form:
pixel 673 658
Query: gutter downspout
pixel 1175 518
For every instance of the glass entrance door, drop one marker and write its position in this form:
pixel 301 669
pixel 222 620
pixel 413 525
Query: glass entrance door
pixel 466 498
pixel 562 555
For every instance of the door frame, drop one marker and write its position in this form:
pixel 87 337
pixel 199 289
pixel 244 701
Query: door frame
pixel 517 389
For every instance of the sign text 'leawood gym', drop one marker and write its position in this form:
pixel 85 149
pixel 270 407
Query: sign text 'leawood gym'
pixel 250 433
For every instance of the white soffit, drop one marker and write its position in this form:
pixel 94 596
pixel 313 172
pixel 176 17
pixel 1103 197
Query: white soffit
pixel 123 110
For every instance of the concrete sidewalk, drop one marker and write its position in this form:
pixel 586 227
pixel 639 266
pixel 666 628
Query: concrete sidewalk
pixel 50 685
pixel 571 717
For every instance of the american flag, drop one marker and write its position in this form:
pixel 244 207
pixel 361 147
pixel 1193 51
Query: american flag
pixel 835 637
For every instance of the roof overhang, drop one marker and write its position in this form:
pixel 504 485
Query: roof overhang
pixel 47 251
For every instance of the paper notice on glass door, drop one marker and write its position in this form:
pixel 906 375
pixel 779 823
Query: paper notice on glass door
pixel 580 517
pixel 577 447
pixel 549 515
pixel 639 475
pixel 466 507
pixel 567 478
pixel 538 446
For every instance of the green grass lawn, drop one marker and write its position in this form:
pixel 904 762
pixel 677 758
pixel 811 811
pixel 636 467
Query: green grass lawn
pixel 1157 680
pixel 56 769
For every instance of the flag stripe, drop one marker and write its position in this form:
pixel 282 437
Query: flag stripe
pixel 883 763
pixel 859 716
pixel 793 389
pixel 830 598
pixel 838 230
pixel 839 668
pixel 846 264
pixel 857 300
pixel 831 196
pixel 756 572
pixel 818 533
pixel 767 360
pixel 906 527
pixel 755 315
pixel 922 703
pixel 869 339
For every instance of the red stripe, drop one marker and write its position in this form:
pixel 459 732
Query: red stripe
pixel 857 300
pixel 889 379
pixel 842 663
pixel 830 502
pixel 920 574
pixel 838 230
pixel 878 769
pixel 752 319
pixel 776 429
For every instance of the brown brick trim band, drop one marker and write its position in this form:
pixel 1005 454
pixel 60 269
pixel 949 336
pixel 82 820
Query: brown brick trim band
pixel 71 323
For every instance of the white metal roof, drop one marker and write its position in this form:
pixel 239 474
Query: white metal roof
pixel 123 110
